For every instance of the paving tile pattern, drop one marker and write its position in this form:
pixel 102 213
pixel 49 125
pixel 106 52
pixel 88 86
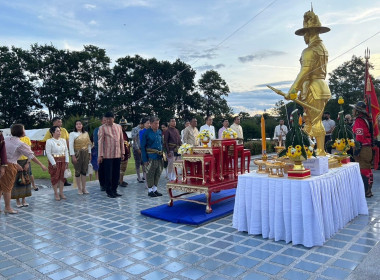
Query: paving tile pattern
pixel 95 237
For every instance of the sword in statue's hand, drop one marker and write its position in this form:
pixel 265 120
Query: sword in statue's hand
pixel 303 104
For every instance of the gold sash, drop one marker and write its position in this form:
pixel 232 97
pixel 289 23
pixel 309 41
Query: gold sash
pixel 82 142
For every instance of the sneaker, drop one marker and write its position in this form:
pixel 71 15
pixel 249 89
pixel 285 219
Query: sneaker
pixel 152 194
pixel 157 193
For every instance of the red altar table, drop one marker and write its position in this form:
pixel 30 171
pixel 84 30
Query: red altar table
pixel 208 170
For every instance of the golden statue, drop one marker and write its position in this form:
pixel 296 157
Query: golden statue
pixel 314 91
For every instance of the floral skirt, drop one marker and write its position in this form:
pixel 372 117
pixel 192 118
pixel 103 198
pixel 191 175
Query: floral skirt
pixel 21 191
pixel 56 174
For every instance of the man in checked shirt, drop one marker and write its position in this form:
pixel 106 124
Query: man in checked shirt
pixel 111 150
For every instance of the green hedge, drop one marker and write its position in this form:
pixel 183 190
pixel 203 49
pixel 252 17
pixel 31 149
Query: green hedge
pixel 255 147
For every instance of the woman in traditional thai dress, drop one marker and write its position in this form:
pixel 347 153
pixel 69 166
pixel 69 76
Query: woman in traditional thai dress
pixel 58 156
pixel 80 152
pixel 22 190
pixel 14 149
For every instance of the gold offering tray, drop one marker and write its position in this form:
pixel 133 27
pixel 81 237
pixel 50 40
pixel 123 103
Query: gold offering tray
pixel 261 165
pixel 275 168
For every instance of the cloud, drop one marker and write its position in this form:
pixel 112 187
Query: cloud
pixel 188 54
pixel 276 84
pixel 89 6
pixel 191 21
pixel 209 67
pixel 260 55
pixel 133 3
pixel 92 22
pixel 253 102
pixel 352 17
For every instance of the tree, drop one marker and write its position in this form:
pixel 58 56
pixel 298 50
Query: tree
pixel 244 115
pixel 348 81
pixel 18 98
pixel 54 70
pixel 93 73
pixel 213 89
pixel 127 88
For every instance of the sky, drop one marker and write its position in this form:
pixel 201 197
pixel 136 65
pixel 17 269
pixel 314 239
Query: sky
pixel 250 43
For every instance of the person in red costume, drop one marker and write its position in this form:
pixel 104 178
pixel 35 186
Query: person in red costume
pixel 363 131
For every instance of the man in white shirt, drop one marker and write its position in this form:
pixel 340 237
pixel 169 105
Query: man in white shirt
pixel 329 126
pixel 187 123
pixel 238 129
pixel 280 132
pixel 208 126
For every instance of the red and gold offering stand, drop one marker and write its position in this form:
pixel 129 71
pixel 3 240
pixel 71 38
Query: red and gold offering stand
pixel 342 159
pixel 299 171
pixel 208 170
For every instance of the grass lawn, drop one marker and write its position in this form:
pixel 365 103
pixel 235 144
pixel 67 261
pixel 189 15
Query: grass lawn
pixel 39 174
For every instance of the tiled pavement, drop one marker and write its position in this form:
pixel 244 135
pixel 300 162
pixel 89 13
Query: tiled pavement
pixel 92 236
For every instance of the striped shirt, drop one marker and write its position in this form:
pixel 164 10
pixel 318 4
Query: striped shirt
pixel 15 148
pixel 110 141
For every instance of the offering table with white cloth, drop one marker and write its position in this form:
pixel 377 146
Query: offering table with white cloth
pixel 306 212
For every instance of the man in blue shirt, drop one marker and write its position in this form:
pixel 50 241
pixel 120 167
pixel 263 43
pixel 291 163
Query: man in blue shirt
pixel 151 151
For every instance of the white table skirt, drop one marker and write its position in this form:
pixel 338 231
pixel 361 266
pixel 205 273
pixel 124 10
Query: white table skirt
pixel 307 211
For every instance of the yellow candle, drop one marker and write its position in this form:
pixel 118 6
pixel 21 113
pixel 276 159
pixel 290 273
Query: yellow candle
pixel 263 139
pixel 300 120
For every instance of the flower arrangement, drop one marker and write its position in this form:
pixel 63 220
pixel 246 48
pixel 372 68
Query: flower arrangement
pixel 342 137
pixel 229 134
pixel 185 149
pixel 295 153
pixel 205 137
pixel 298 145
pixel 342 146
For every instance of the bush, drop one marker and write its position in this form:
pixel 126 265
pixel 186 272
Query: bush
pixel 255 147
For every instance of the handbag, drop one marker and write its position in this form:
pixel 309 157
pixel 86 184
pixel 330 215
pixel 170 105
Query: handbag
pixel 90 169
pixel 67 173
pixel 23 178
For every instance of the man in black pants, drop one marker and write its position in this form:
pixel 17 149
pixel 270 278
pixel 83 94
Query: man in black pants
pixel 111 150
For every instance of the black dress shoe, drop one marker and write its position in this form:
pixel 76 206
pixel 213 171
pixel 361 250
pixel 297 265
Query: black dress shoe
pixel 157 193
pixel 103 189
pixel 117 194
pixel 152 194
pixel 111 196
pixel 66 184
